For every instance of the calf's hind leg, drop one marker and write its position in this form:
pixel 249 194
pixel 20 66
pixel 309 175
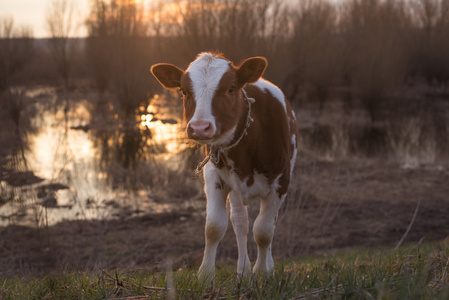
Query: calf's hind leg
pixel 239 219
pixel 263 231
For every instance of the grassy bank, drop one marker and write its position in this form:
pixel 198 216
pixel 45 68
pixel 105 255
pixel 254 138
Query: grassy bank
pixel 412 272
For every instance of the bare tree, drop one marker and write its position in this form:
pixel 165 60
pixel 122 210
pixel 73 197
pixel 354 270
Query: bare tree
pixel 315 48
pixel 236 27
pixel 375 49
pixel 118 49
pixel 16 51
pixel 427 13
pixel 431 57
pixel 59 25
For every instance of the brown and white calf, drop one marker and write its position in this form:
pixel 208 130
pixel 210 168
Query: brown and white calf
pixel 249 132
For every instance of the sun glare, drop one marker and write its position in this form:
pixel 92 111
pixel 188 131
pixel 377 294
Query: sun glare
pixel 146 121
pixel 167 133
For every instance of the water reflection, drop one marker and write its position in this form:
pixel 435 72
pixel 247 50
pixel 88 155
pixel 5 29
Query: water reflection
pixel 160 119
pixel 88 163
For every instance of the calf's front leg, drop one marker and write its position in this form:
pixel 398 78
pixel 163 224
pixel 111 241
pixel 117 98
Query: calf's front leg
pixel 216 220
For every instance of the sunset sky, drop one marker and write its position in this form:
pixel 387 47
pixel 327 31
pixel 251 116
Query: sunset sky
pixel 32 13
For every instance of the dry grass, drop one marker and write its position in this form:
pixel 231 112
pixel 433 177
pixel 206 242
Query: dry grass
pixel 413 272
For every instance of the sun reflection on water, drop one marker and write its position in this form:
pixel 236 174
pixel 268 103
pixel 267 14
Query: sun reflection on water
pixel 64 152
pixel 60 154
pixel 165 129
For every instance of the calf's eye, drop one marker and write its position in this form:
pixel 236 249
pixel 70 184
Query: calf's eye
pixel 231 90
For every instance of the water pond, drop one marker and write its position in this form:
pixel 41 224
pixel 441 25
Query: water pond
pixel 74 158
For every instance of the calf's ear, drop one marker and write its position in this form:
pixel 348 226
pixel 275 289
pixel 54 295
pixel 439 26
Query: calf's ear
pixel 251 69
pixel 168 75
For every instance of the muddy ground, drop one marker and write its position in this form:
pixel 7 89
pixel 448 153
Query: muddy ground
pixel 332 206
pixel 337 200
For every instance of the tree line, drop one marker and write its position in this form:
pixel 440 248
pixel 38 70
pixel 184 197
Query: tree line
pixel 370 48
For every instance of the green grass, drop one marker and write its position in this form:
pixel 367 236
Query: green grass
pixel 413 272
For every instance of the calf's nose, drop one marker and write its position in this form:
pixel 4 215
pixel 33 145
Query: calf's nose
pixel 200 130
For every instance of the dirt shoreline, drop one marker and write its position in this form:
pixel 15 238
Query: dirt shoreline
pixel 331 207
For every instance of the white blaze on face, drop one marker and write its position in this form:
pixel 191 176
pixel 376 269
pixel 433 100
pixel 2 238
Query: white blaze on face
pixel 205 74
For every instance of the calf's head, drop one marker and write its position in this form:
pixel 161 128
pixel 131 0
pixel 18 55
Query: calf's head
pixel 212 97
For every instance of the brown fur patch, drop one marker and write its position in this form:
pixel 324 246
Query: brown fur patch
pixel 220 185
pixel 263 240
pixel 228 107
pixel 250 181
pixel 213 233
pixel 188 98
pixel 267 147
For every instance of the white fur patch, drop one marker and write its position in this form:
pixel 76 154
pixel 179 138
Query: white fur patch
pixel 205 74
pixel 295 151
pixel 265 85
pixel 259 188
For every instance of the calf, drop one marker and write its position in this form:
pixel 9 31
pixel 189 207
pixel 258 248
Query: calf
pixel 249 132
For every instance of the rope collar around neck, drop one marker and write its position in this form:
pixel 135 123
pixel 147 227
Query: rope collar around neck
pixel 214 153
